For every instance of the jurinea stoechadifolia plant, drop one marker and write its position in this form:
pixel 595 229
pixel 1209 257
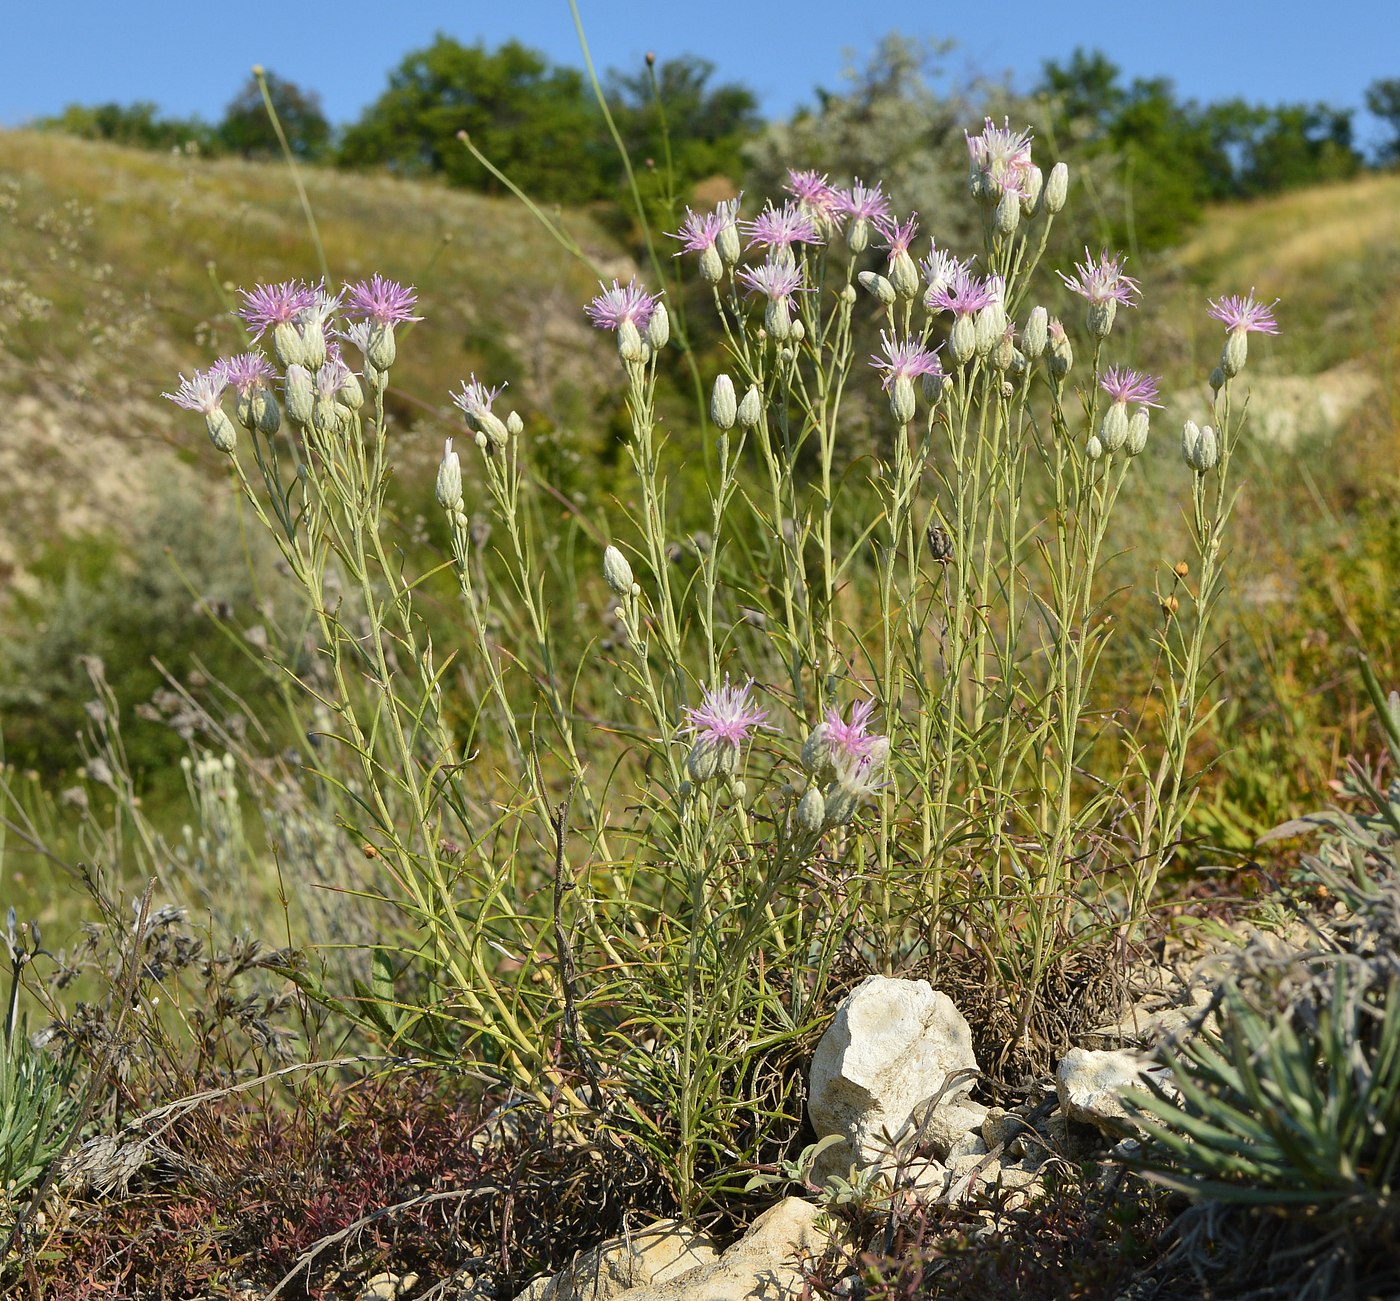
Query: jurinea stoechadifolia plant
pixel 884 677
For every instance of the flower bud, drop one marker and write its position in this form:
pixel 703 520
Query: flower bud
pixel 817 751
pixel 1061 353
pixel 488 423
pixel 1056 188
pixel 711 265
pixel 1008 213
pixel 515 426
pixel 798 331
pixel 268 414
pixel 617 573
pixel 1137 432
pixel 299 394
pixel 313 343
pixel 287 345
pixel 858 235
pixel 904 276
pixel 777 320
pixel 723 406
pixel 703 761
pixel 840 805
pixel 750 408
pixel 1113 432
pixel 727 242
pixel 1100 318
pixel 382 351
pixel 1035 186
pixel 659 327
pixel 1036 333
pixel 1217 380
pixel 989 329
pixel 902 405
pixel 877 286
pixel 933 385
pixel 1232 356
pixel 349 392
pixel 1093 448
pixel 811 811
pixel 962 340
pixel 221 431
pixel 847 294
pixel 449 480
pixel 629 343
pixel 1199 447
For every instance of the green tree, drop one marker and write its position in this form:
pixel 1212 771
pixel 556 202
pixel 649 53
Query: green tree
pixel 538 123
pixel 246 128
pixel 1383 101
pixel 138 124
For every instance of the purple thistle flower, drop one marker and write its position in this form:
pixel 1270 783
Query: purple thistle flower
pixel 614 306
pixel 777 279
pixel 202 392
pixel 780 228
pixel 906 360
pixel 898 235
pixel 1002 155
pixel 1239 312
pixel 475 399
pixel 699 231
pixel 964 294
pixel 726 714
pixel 245 372
pixel 385 302
pixel 265 306
pixel 863 202
pixel 813 192
pixel 333 374
pixel 854 742
pixel 1102 281
pixel 1124 385
pixel 938 269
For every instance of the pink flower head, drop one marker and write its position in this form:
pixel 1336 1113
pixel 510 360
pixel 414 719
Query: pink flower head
pixel 614 306
pixel 385 302
pixel 907 359
pixel 863 202
pixel 333 374
pixel 777 279
pixel 854 742
pixel 265 306
pixel 245 372
pixel 1102 281
pixel 1239 312
pixel 964 294
pixel 202 392
pixel 780 228
pixel 475 399
pixel 1002 155
pixel 700 230
pixel 938 270
pixel 1124 385
pixel 726 714
pixel 811 190
pixel 898 235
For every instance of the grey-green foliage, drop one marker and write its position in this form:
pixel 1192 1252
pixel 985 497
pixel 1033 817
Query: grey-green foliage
pixel 894 121
pixel 1293 1102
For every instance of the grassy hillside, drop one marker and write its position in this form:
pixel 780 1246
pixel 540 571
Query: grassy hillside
pixel 118 270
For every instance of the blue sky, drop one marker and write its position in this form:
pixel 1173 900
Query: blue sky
pixel 191 56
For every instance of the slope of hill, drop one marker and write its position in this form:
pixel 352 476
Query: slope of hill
pixel 118 271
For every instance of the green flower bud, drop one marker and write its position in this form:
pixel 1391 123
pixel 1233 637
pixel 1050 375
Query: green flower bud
pixel 777 320
pixel 962 340
pixel 902 405
pixel 629 343
pixel 299 393
pixel 711 265
pixel 798 331
pixel 811 811
pixel 350 393
pixel 617 573
pixel 1056 188
pixel 1113 432
pixel 750 408
pixel 878 287
pixel 1233 355
pixel 1036 333
pixel 1199 447
pixel 449 480
pixel 1100 318
pixel 724 408
pixel 287 345
pixel 702 763
pixel 490 424
pixel 817 751
pixel 1093 448
pixel 858 235
pixel 840 804
pixel 1137 432
pixel 515 426
pixel 382 351
pixel 659 327
pixel 1217 380
pixel 1061 353
pixel 847 294
pixel 727 242
pixel 221 431
pixel 904 276
pixel 1035 186
pixel 313 343
pixel 1004 352
pixel 1008 213
pixel 989 329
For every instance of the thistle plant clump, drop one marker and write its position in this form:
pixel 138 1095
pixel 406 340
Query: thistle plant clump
pixel 852 722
